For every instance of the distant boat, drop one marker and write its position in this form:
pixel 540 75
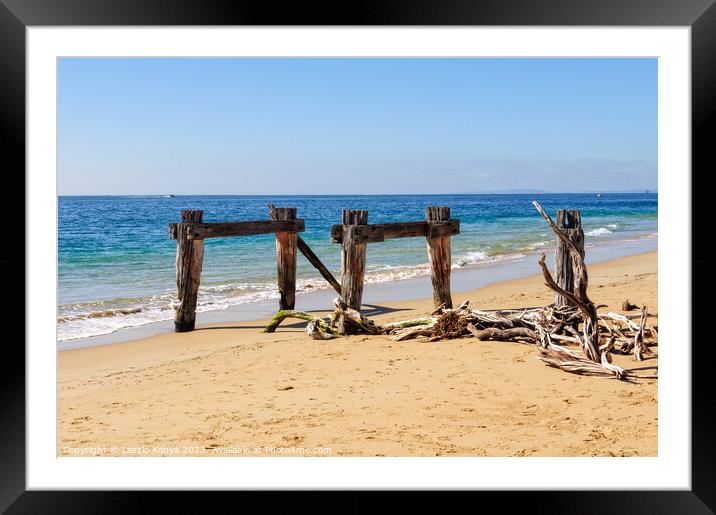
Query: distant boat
pixel 168 196
pixel 599 194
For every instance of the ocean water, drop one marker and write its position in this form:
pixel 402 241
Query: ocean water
pixel 116 263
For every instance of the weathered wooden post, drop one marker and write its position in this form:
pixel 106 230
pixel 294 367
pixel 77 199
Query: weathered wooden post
pixel 353 249
pixel 570 223
pixel 190 255
pixel 286 259
pixel 439 256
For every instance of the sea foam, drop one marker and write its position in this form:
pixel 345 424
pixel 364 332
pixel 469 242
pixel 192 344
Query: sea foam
pixel 602 231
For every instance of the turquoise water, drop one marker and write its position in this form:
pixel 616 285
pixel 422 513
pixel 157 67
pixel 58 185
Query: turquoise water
pixel 116 262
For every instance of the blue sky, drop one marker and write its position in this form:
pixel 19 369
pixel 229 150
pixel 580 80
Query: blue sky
pixel 355 126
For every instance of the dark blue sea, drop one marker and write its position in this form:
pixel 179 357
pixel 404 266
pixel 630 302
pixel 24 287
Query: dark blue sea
pixel 117 264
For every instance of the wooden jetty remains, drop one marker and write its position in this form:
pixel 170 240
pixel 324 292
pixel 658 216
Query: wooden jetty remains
pixel 191 232
pixel 355 233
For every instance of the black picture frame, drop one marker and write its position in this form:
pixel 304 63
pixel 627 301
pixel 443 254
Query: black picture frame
pixel 700 15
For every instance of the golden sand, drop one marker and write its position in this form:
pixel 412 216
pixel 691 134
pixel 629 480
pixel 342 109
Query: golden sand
pixel 228 388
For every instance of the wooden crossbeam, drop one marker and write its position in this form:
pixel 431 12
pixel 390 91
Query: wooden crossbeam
pixel 438 229
pixel 376 233
pixel 202 231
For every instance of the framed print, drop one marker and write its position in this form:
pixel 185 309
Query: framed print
pixel 414 249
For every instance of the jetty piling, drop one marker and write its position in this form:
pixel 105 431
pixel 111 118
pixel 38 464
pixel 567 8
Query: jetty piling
pixel 570 223
pixel 353 258
pixel 439 254
pixel 286 259
pixel 190 256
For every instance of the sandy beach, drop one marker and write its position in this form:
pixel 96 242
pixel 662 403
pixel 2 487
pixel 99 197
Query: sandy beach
pixel 229 389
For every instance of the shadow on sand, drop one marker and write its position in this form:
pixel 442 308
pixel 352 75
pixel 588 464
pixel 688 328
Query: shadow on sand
pixel 369 310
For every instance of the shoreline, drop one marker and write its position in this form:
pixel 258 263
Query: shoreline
pixel 464 279
pixel 228 385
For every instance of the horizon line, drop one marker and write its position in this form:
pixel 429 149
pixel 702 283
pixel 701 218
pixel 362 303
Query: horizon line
pixel 167 195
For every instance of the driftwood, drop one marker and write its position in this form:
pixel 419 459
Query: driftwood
pixel 411 332
pixel 353 321
pixel 492 333
pixel 564 359
pixel 409 323
pixel 542 327
pixel 620 318
pixel 590 322
pixel 628 306
pixel 639 338
pixel 302 315
pixel 521 325
pixel 579 298
pixel 314 330
pixel 640 348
